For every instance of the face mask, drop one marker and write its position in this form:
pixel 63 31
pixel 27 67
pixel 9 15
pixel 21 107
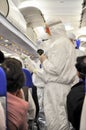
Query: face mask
pixel 77 43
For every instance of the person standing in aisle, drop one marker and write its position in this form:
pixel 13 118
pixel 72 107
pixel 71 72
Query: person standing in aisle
pixel 60 74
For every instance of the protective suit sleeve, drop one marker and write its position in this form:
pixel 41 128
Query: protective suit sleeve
pixel 32 107
pixel 41 75
pixel 31 65
pixel 34 67
pixel 56 60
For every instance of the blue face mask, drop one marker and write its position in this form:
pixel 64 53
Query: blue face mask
pixel 77 42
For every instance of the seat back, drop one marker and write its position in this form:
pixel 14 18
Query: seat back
pixel 28 82
pixel 3 83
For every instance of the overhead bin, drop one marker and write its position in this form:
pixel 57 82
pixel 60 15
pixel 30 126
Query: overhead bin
pixel 81 32
pixel 25 19
pixel 12 34
pixel 4 7
pixel 11 12
pixel 33 16
pixel 34 19
pixel 14 28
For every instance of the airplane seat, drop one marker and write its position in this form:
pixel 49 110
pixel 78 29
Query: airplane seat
pixel 3 86
pixel 3 83
pixel 28 81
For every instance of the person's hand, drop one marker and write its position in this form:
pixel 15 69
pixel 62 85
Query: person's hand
pixel 30 67
pixel 42 58
pixel 19 94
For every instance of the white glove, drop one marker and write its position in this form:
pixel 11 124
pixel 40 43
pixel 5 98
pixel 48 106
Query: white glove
pixel 31 65
pixel 31 62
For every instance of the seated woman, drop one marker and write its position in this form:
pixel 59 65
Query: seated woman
pixel 76 96
pixel 17 108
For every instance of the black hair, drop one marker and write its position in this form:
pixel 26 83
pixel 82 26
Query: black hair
pixel 14 74
pixel 2 57
pixel 14 60
pixel 40 51
pixel 81 65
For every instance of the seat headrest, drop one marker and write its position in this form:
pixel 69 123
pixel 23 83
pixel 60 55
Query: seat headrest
pixel 3 83
pixel 28 81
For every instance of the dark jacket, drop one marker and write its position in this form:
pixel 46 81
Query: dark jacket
pixel 75 100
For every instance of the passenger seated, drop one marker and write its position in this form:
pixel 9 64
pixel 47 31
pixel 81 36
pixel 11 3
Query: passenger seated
pixel 17 108
pixel 76 96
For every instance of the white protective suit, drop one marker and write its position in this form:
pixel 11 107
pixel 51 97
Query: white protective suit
pixel 37 81
pixel 59 74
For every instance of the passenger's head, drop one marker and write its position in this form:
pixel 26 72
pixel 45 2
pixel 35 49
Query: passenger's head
pixel 19 63
pixel 2 57
pixel 14 74
pixel 81 66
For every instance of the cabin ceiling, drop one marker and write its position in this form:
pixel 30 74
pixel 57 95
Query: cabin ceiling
pixel 69 11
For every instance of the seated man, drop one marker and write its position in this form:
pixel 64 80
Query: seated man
pixel 17 108
pixel 76 96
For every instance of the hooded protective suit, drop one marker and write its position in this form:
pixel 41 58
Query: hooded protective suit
pixel 40 94
pixel 58 74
